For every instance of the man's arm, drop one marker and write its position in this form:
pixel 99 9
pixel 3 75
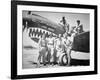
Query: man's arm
pixel 39 44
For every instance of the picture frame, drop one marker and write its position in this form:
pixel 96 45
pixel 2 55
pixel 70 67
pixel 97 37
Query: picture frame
pixel 18 18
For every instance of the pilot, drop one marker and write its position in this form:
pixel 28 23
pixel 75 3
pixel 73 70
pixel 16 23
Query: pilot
pixel 79 27
pixel 67 45
pixel 65 24
pixel 64 38
pixel 55 51
pixel 59 47
pixel 42 49
pixel 50 45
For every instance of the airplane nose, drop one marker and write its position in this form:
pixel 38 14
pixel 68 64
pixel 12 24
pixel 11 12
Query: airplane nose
pixel 37 32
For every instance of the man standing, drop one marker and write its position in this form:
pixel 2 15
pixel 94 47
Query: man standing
pixel 68 45
pixel 65 24
pixel 50 49
pixel 42 49
pixel 59 47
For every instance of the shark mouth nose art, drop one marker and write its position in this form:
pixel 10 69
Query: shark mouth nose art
pixel 36 33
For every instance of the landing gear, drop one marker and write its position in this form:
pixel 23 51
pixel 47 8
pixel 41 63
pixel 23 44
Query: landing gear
pixel 63 59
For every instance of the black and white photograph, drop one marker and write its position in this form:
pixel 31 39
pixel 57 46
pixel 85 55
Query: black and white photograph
pixel 53 39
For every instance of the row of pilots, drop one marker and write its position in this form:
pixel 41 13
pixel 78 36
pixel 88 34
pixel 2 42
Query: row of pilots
pixel 51 48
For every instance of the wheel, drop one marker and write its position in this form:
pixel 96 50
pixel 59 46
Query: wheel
pixel 63 59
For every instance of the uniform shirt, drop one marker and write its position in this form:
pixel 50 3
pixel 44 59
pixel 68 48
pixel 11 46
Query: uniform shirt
pixel 80 28
pixel 66 42
pixel 50 41
pixel 43 43
pixel 59 45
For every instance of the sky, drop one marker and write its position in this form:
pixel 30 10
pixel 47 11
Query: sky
pixel 71 18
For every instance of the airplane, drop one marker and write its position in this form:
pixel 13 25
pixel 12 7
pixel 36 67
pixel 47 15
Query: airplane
pixel 37 25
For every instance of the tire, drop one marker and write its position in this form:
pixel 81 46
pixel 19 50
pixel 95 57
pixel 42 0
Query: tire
pixel 63 59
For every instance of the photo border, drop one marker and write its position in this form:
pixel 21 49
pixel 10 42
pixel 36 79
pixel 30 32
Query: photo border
pixel 14 38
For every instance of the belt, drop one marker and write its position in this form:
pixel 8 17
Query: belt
pixel 50 44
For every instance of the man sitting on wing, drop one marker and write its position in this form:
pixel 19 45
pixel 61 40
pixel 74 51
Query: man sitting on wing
pixel 79 27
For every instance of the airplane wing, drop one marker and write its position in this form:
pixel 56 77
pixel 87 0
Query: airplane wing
pixel 81 42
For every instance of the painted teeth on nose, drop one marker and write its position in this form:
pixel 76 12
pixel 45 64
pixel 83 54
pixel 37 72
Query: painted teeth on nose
pixel 48 33
pixel 38 30
pixel 41 30
pixel 45 31
pixel 35 29
pixel 36 35
pixel 39 36
pixel 33 35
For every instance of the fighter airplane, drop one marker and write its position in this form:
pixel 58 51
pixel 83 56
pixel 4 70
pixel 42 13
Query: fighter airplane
pixel 37 25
